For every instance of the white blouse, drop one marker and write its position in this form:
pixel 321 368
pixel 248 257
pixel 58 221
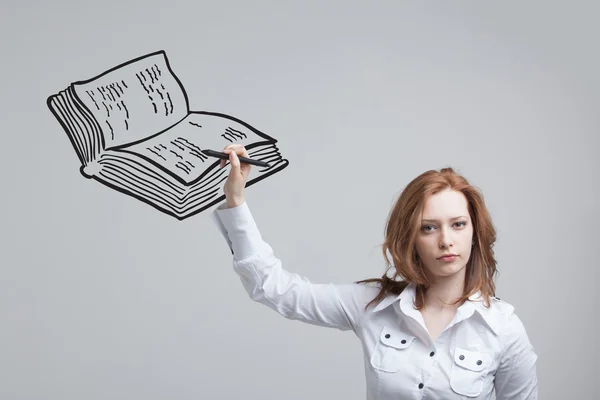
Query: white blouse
pixel 481 350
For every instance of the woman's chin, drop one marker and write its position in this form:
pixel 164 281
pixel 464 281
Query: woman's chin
pixel 449 271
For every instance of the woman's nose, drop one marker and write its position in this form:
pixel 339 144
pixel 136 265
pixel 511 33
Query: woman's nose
pixel 445 239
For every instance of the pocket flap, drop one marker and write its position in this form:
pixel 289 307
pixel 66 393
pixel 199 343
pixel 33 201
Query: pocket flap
pixel 396 339
pixel 471 360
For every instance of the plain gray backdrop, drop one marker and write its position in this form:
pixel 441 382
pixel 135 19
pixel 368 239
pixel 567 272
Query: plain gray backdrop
pixel 103 297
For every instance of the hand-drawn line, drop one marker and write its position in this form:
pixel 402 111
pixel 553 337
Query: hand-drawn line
pixel 170 102
pixel 92 97
pixel 151 76
pixel 174 143
pixel 183 167
pixel 126 110
pixel 153 104
pixel 112 131
pixel 176 154
pixel 228 134
pixel 101 92
pixel 193 149
pixel 188 144
pixel 124 142
pixel 155 152
pixel 108 93
pixel 140 76
pixel 111 89
pixel 235 132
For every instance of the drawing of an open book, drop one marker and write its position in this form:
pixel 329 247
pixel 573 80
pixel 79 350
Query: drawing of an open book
pixel 133 131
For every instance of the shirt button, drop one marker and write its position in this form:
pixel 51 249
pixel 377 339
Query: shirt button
pixel 431 354
pixel 421 386
pixel 387 335
pixel 462 357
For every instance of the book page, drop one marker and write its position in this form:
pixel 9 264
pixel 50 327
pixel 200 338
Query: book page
pixel 135 100
pixel 179 149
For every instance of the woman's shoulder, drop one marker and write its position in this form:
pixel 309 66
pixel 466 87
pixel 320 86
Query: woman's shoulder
pixel 503 316
pixel 501 306
pixel 358 294
pixel 363 291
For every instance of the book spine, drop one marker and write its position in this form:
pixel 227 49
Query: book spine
pixel 79 124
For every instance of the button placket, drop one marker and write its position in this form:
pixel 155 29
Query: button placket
pixel 434 350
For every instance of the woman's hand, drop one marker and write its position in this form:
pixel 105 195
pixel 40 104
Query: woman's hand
pixel 238 176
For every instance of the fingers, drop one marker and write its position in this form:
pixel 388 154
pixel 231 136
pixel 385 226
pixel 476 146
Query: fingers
pixel 235 162
pixel 239 149
pixel 234 150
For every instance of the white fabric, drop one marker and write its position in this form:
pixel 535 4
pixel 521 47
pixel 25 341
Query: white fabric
pixel 482 349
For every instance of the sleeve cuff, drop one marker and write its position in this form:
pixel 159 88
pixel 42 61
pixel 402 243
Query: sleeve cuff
pixel 239 229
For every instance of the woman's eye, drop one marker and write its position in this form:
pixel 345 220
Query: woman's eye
pixel 429 228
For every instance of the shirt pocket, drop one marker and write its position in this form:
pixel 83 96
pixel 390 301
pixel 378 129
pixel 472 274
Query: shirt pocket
pixel 391 350
pixel 469 369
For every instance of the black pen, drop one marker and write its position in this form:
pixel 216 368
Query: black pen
pixel 225 156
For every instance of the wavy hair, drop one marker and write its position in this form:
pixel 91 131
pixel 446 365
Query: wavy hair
pixel 401 231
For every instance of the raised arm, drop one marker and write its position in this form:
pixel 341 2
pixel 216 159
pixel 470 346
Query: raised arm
pixel 263 276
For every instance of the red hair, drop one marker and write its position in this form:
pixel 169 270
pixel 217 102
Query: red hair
pixel 403 225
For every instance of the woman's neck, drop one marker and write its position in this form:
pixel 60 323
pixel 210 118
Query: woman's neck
pixel 443 292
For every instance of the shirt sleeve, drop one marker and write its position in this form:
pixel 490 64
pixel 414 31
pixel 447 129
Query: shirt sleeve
pixel 293 296
pixel 516 378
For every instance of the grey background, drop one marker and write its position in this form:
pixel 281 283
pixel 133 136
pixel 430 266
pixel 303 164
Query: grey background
pixel 103 297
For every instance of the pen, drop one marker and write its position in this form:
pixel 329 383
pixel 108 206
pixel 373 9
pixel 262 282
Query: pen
pixel 225 156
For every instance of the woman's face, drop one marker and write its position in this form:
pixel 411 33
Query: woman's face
pixel 446 228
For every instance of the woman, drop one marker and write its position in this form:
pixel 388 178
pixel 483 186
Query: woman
pixel 440 332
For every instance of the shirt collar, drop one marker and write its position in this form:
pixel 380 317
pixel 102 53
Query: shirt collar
pixel 405 300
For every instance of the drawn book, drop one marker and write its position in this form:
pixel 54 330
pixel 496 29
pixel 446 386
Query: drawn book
pixel 133 131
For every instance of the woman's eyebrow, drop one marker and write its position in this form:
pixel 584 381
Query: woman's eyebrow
pixel 435 220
